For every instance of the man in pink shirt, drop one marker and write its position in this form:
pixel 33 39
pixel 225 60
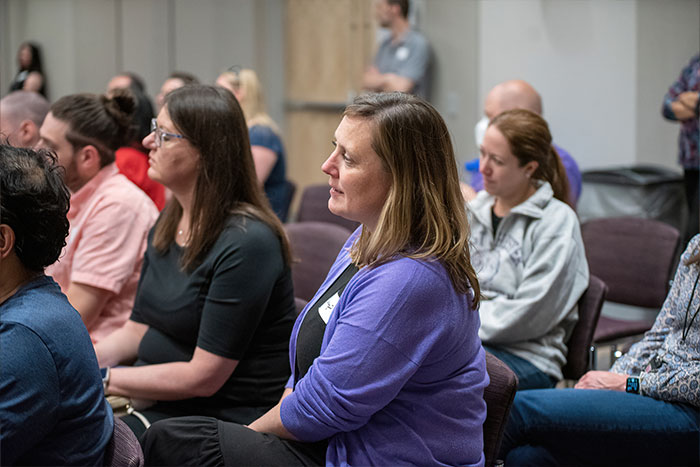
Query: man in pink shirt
pixel 109 216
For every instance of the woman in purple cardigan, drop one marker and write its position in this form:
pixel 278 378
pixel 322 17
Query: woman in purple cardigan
pixel 387 366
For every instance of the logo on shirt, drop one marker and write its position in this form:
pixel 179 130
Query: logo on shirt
pixel 402 53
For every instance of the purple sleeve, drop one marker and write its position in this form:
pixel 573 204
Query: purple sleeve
pixel 388 324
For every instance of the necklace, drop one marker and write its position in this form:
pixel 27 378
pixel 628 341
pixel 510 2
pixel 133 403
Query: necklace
pixel 686 325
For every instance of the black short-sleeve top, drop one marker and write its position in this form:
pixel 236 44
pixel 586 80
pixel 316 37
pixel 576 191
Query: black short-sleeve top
pixel 238 304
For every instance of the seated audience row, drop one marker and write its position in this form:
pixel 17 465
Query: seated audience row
pixel 385 347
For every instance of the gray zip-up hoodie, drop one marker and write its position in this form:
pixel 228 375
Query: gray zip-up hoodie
pixel 532 275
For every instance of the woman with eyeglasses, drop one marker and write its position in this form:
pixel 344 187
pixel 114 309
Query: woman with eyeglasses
pixel 215 305
pixel 266 143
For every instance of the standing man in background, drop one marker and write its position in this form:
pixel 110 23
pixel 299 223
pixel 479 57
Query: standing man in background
pixel 403 60
pixel 681 104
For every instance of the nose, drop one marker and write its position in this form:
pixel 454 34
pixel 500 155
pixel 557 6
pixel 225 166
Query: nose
pixel 149 142
pixel 329 166
pixel 484 166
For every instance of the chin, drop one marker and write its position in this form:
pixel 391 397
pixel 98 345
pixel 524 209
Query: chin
pixel 153 175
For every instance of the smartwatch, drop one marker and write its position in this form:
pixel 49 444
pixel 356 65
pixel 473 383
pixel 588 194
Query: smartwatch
pixel 104 372
pixel 632 385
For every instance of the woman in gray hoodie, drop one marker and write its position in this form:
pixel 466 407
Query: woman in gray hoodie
pixel 527 249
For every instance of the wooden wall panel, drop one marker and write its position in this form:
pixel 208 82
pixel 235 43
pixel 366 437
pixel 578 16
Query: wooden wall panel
pixel 328 45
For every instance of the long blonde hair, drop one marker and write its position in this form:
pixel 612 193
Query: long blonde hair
pixel 423 216
pixel 252 100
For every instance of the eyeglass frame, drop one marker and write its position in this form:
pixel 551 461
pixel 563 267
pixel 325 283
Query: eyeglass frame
pixel 160 135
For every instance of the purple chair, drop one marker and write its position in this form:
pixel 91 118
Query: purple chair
pixel 499 395
pixel 289 189
pixel 299 304
pixel 123 450
pixel 635 258
pixel 313 207
pixel 315 245
pixel 580 356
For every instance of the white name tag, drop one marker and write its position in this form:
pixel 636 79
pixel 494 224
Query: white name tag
pixel 402 53
pixel 325 310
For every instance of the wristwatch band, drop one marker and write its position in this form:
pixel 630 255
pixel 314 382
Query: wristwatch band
pixel 105 377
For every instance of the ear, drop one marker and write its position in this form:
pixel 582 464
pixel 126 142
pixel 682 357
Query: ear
pixel 88 158
pixel 7 240
pixel 530 168
pixel 28 133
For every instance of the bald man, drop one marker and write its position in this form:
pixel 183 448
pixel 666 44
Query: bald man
pixel 21 116
pixel 518 94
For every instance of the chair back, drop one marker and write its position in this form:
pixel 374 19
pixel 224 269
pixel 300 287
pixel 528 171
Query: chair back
pixel 313 207
pixel 289 189
pixel 578 359
pixel 633 256
pixel 299 304
pixel 499 395
pixel 315 245
pixel 123 450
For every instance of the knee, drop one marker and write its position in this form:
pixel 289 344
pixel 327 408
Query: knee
pixel 156 443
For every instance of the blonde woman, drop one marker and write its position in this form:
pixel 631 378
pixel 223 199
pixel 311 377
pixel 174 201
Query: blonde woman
pixel 265 141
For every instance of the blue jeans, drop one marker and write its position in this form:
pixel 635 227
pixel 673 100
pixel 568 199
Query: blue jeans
pixel 599 427
pixel 529 376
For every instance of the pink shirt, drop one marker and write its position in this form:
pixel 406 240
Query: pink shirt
pixel 109 222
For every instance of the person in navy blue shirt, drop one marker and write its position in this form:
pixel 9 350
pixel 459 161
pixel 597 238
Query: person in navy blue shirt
pixel 52 410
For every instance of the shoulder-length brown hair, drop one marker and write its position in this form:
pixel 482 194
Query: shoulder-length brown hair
pixel 423 216
pixel 530 140
pixel 212 121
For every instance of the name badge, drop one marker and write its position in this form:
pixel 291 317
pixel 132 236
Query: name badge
pixel 402 53
pixel 325 310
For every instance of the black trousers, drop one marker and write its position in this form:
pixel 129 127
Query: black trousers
pixel 206 441
pixel 691 180
pixel 165 410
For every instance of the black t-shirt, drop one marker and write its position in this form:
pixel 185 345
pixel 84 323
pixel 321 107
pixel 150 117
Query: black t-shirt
pixel 310 336
pixel 238 304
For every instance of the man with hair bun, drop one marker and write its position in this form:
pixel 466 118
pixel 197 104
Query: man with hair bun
pixel 109 216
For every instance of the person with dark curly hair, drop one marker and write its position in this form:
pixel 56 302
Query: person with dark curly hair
pixel 52 411
pixel 109 216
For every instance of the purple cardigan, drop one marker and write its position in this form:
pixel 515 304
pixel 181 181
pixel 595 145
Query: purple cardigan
pixel 401 374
